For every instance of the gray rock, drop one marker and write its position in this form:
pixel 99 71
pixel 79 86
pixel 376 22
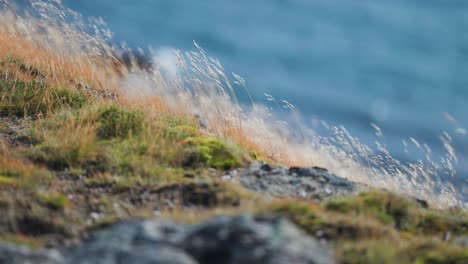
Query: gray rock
pixel 148 254
pixel 247 239
pixel 306 183
pixel 10 254
pixel 243 239
pixel 137 241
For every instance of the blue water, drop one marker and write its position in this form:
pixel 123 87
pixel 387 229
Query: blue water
pixel 398 64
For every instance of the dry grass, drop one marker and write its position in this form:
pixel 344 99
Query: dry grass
pixel 59 54
pixel 16 171
pixel 57 69
pixel 105 141
pixel 71 57
pixel 73 144
pixel 62 55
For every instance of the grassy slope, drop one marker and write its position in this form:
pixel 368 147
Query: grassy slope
pixel 72 160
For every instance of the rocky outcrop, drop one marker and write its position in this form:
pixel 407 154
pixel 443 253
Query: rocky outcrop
pixel 242 239
pixel 315 183
pixel 10 254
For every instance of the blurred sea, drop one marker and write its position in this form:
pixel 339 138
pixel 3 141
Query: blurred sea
pixel 402 65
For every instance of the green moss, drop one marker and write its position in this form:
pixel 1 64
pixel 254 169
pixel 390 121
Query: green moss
pixel 55 201
pixel 211 152
pixel 181 132
pixel 387 251
pixel 401 213
pixel 304 215
pixel 7 180
pixel 17 239
pixel 115 122
pixel 440 254
pixel 313 219
pixel 437 223
pixel 385 206
pixel 308 213
pixel 10 172
pixel 129 157
pixel 102 139
pixel 363 252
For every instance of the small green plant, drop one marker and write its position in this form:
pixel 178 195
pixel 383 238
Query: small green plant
pixel 313 219
pixel 55 201
pixel 211 152
pixel 10 173
pixel 115 122
pixel 70 146
pixel 25 90
pixel 385 206
pixel 423 251
pixel 68 98
pixel 437 222
pixel 20 98
pixel 181 132
pixel 7 180
pixel 402 213
pixel 19 172
pixel 18 239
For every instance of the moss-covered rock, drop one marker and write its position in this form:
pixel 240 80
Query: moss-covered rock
pixel 213 153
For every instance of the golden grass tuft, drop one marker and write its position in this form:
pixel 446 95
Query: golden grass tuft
pixel 17 171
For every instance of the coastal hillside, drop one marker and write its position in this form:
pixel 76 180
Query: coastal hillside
pixel 94 168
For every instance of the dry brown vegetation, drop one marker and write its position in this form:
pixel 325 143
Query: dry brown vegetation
pixel 76 154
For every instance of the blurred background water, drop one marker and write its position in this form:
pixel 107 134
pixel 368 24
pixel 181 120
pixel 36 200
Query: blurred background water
pixel 401 65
